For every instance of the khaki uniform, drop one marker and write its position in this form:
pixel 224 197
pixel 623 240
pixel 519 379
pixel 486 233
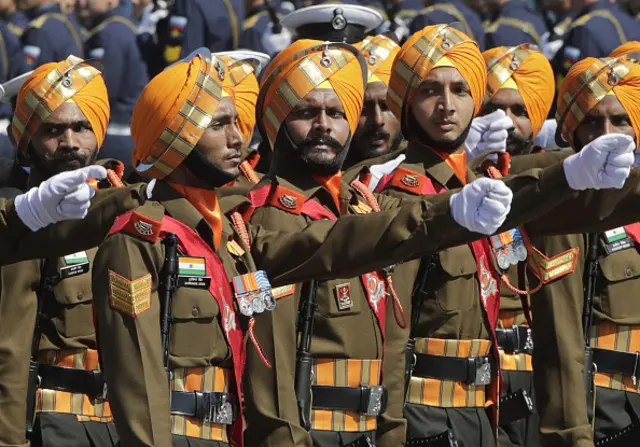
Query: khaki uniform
pixel 132 359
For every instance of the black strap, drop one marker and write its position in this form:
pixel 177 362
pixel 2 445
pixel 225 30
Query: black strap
pixel 362 441
pixel 72 380
pixel 515 406
pixel 444 439
pixel 220 408
pixel 515 340
pixel 617 362
pixel 624 438
pixel 369 400
pixel 476 370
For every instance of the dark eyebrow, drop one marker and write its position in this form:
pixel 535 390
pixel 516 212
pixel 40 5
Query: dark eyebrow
pixel 84 123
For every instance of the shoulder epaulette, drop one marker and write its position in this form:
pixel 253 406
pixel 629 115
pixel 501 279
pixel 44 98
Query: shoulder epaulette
pixel 526 27
pixel 39 21
pixel 15 29
pixel 145 222
pixel 602 13
pixel 409 181
pixel 452 11
pixel 250 22
pixel 113 19
pixel 279 197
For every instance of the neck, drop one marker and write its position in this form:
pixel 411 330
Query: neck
pixel 183 176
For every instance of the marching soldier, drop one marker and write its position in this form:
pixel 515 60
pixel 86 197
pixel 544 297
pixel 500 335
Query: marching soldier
pixel 442 11
pixel 604 318
pixel 112 40
pixel 15 18
pixel 11 63
pixel 262 30
pixel 50 371
pixel 50 35
pixel 514 24
pixel 600 26
pixel 378 131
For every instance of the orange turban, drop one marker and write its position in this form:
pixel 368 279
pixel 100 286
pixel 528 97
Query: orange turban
pixel 531 74
pixel 162 133
pixel 380 52
pixel 589 82
pixel 53 84
pixel 626 48
pixel 302 67
pixel 419 55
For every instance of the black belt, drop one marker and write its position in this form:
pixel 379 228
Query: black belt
pixel 470 370
pixel 72 380
pixel 218 408
pixel 444 439
pixel 617 362
pixel 367 400
pixel 515 340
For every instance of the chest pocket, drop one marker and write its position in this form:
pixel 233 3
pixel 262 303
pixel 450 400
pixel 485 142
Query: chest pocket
pixel 195 330
pixel 456 289
pixel 72 312
pixel 621 271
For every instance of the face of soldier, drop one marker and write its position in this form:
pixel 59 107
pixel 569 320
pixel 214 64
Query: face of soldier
pixel 7 6
pixel 89 9
pixel 607 117
pixel 483 7
pixel 30 4
pixel 520 136
pixel 65 141
pixel 378 128
pixel 443 106
pixel 221 143
pixel 319 128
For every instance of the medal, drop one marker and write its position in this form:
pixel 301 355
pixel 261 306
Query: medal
pixel 509 248
pixel 245 306
pixel 521 253
pixel 253 293
pixel 258 304
pixel 503 261
pixel 270 301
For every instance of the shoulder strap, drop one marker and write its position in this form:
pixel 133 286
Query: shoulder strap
pixel 233 21
pixel 113 19
pixel 409 181
pixel 522 25
pixel 452 11
pixel 67 23
pixel 289 201
pixel 603 13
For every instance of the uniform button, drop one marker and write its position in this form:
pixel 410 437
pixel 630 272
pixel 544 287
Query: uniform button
pixel 195 311
pixel 461 269
pixel 628 271
pixel 80 295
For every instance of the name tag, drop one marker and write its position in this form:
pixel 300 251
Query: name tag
pixel 75 264
pixel 192 273
pixel 616 240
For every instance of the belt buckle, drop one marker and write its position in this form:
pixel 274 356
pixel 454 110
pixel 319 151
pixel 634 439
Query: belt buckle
pixel 374 402
pixel 220 409
pixel 528 344
pixel 480 370
pixel 102 395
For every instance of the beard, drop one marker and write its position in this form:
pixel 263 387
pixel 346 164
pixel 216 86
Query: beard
pixel 312 159
pixel 517 144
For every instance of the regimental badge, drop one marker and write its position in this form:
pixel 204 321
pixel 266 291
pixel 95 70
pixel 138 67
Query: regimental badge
pixel 76 264
pixel 229 320
pixel 131 297
pixel 343 296
pixel 488 284
pixel 143 228
pixel 192 273
pixel 375 289
pixel 289 202
pixel 411 181
pixel 253 293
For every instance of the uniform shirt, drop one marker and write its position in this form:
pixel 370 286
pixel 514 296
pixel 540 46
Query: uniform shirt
pixel 258 21
pixel 443 11
pixel 50 36
pixel 11 61
pixel 17 22
pixel 113 41
pixel 598 30
pixel 516 25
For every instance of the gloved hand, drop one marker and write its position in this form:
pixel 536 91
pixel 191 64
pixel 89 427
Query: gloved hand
pixel 550 48
pixel 603 163
pixel 62 197
pixel 482 206
pixel 488 133
pixel 275 43
pixel 150 19
pixel 546 137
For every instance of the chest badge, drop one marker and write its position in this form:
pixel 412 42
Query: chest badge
pixel 343 296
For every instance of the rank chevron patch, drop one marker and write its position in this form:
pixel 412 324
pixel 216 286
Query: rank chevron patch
pixel 547 269
pixel 131 297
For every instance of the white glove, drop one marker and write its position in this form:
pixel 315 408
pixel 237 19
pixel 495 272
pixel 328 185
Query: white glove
pixel 488 133
pixel 62 197
pixel 150 19
pixel 603 163
pixel 482 206
pixel 546 138
pixel 275 43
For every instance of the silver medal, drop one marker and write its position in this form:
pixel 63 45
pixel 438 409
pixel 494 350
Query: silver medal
pixel 258 303
pixel 513 260
pixel 521 253
pixel 270 301
pixel 245 306
pixel 503 261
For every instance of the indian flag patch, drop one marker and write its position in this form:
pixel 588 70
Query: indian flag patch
pixel 191 266
pixel 615 235
pixel 76 258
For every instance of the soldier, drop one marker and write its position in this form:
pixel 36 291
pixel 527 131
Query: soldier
pixel 11 63
pixel 442 11
pixel 600 26
pixel 112 40
pixel 46 304
pixel 202 345
pixel 262 30
pixel 437 85
pixel 609 105
pixel 50 35
pixel 378 131
pixel 559 18
pixel 514 24
pixel 15 18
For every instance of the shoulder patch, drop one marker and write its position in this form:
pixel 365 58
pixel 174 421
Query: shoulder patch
pixel 96 53
pixel 38 21
pixel 31 53
pixel 143 227
pixel 131 297
pixel 177 25
pixel 547 269
pixel 408 180
pixel 287 200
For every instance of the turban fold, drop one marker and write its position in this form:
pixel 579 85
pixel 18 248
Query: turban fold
pixel 588 82
pixel 302 67
pixel 380 52
pixel 53 84
pixel 421 53
pixel 531 74
pixel 174 110
pixel 632 46
pixel 245 92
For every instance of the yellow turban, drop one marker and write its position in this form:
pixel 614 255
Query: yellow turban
pixel 626 48
pixel 532 75
pixel 589 82
pixel 53 84
pixel 245 92
pixel 302 67
pixel 421 53
pixel 380 52
pixel 162 133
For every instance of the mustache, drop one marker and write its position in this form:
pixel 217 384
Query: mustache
pixel 321 140
pixel 516 142
pixel 378 134
pixel 65 156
